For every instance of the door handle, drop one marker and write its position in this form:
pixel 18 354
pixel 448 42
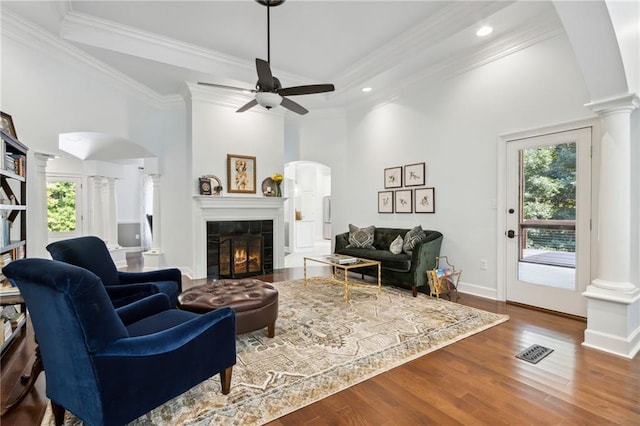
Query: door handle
pixel 511 233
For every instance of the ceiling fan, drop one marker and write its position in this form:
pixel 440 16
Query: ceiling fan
pixel 269 93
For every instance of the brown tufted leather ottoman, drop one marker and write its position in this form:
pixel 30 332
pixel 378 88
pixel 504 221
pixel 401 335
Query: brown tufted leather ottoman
pixel 255 302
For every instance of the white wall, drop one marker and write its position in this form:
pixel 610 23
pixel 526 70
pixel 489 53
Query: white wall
pixel 49 92
pixel 454 128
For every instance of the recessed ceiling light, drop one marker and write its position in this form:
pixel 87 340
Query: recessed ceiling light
pixel 484 31
pixel 366 89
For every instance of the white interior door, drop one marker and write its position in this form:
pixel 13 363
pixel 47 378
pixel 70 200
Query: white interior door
pixel 548 220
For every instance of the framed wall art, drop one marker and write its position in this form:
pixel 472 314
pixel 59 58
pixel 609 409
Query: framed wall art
pixel 425 200
pixel 6 122
pixel 241 174
pixel 210 185
pixel 404 201
pixel 393 177
pixel 385 202
pixel 414 174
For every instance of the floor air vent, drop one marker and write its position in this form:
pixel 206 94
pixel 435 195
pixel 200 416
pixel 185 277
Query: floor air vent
pixel 534 353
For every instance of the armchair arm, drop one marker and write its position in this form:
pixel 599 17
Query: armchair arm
pixel 122 295
pixel 423 259
pixel 170 274
pixel 173 338
pixel 143 308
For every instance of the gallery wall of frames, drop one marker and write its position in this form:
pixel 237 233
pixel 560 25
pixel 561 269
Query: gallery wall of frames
pixel 405 191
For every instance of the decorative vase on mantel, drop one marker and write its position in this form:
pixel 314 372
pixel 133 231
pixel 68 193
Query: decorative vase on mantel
pixel 277 179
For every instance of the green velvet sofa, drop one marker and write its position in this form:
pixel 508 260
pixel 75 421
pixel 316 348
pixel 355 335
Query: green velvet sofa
pixel 409 271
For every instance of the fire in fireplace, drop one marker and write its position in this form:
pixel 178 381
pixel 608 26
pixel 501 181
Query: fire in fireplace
pixel 239 248
pixel 240 255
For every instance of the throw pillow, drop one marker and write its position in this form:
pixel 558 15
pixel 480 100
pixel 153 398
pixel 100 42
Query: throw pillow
pixel 412 238
pixel 396 245
pixel 361 237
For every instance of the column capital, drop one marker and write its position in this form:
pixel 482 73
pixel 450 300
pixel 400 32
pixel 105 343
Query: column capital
pixel 42 158
pixel 625 103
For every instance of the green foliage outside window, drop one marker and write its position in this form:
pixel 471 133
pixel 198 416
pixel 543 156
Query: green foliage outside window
pixel 61 206
pixel 549 193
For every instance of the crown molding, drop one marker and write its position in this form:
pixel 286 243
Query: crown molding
pixel 412 43
pixel 31 35
pixel 92 31
pixel 537 30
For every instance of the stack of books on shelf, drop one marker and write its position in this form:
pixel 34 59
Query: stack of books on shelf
pixel 11 319
pixel 6 289
pixel 15 163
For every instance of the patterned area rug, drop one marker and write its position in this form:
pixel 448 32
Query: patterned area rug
pixel 322 346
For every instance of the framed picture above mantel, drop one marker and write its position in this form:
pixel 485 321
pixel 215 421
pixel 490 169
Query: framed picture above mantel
pixel 241 174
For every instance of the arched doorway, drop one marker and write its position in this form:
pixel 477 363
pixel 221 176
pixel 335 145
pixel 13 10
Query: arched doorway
pixel 307 210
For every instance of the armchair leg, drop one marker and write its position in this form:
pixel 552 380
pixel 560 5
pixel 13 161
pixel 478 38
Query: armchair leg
pixel 225 379
pixel 414 290
pixel 58 413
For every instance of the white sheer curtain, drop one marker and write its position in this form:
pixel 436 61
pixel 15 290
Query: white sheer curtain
pixel 146 210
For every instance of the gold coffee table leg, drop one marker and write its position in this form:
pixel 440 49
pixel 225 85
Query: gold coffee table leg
pixel 305 272
pixel 379 282
pixel 346 286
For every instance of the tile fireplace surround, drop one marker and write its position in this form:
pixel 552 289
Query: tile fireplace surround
pixel 210 208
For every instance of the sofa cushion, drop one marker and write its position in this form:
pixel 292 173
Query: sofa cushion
pixel 397 262
pixel 396 245
pixel 412 238
pixel 361 237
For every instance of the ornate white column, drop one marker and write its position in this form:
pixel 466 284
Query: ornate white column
pixel 153 257
pixel 111 214
pixel 613 303
pixel 96 216
pixel 38 228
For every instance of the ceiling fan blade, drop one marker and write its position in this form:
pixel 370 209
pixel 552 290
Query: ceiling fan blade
pixel 293 106
pixel 248 105
pixel 306 90
pixel 265 78
pixel 222 86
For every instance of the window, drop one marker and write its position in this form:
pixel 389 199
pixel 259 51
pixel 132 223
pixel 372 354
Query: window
pixel 63 207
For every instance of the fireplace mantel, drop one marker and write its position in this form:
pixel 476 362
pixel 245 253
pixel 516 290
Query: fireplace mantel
pixel 212 208
pixel 213 202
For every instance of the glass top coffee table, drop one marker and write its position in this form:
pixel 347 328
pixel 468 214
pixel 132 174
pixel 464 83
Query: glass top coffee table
pixel 344 264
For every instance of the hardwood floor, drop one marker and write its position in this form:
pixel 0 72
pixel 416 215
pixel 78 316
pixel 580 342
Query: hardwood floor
pixel 475 381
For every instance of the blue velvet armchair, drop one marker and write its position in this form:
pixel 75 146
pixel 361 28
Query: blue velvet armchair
pixel 91 253
pixel 109 366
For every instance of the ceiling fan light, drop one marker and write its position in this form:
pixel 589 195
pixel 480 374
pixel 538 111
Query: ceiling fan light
pixel 268 99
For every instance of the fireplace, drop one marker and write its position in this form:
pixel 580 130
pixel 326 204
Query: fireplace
pixel 209 210
pixel 237 249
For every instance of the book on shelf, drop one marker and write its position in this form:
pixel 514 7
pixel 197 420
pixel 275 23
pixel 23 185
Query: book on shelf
pixel 12 315
pixel 9 290
pixel 342 259
pixel 6 330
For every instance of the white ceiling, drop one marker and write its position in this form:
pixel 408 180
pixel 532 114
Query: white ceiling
pixel 382 44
